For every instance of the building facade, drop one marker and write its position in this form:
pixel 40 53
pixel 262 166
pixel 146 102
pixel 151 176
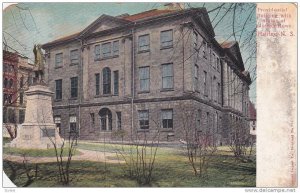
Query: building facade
pixel 17 74
pixel 252 118
pixel 139 73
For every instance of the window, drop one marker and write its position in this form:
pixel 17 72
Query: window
pixel 205 84
pixel 167 118
pixel 144 78
pixel 219 93
pixel 74 87
pixel 21 98
pixel 106 50
pixel 97 83
pixel 73 127
pixel 58 89
pixel 119 120
pixel 196 78
pixel 220 123
pixel 57 121
pixel 116 48
pixel 10 83
pixel 116 82
pixel 4 114
pixel 105 119
pixel 198 121
pixel 21 116
pixel 97 52
pixel 207 121
pixel 211 88
pixel 166 39
pixel 213 60
pixel 11 116
pixel 195 40
pixel 59 60
pixel 9 98
pixel 144 119
pixel 21 82
pixel 74 56
pixel 205 49
pixel 215 89
pixel 5 83
pixel 4 67
pixel 218 64
pixel 92 118
pixel 4 98
pixel 167 76
pixel 106 80
pixel 144 42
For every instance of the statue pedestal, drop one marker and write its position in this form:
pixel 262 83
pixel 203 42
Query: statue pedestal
pixel 38 130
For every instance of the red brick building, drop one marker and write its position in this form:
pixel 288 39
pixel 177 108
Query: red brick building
pixel 16 76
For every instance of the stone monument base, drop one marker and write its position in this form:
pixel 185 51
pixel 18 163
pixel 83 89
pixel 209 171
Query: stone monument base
pixel 38 130
pixel 37 137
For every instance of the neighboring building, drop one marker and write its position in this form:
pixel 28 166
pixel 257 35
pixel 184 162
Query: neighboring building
pixel 132 71
pixel 16 74
pixel 252 118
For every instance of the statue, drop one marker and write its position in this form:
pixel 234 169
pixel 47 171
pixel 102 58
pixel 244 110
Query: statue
pixel 39 64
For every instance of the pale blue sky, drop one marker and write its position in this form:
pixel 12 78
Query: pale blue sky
pixel 33 23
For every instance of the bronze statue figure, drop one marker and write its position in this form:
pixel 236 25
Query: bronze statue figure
pixel 39 67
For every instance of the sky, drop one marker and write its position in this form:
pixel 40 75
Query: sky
pixel 26 24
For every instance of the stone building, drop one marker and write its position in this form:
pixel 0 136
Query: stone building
pixel 16 76
pixel 138 73
pixel 252 118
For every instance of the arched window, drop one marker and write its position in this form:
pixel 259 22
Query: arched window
pixel 105 119
pixel 106 80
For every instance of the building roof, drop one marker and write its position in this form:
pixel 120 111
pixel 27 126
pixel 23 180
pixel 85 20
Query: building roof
pixel 64 38
pixel 147 14
pixel 252 111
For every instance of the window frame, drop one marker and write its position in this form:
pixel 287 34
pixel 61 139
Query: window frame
pixel 21 116
pixel 205 84
pixel 59 63
pixel 109 50
pixel 169 43
pixel 143 120
pixel 74 87
pixel 97 52
pixel 97 84
pixel 119 120
pixel 116 82
pixel 106 81
pixel 168 120
pixel 196 77
pixel 57 91
pixel 71 124
pixel 146 45
pixel 165 77
pixel 143 80
pixel 115 44
pixel 76 58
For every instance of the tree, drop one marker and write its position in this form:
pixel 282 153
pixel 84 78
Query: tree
pixel 201 143
pixel 141 157
pixel 241 142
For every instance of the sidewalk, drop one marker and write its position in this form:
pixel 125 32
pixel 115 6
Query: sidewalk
pixel 87 155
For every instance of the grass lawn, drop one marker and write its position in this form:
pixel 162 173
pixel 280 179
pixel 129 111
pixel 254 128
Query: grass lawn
pixel 171 169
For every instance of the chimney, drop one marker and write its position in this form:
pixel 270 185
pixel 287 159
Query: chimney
pixel 174 6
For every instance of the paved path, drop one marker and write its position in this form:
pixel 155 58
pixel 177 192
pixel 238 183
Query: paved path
pixel 88 155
